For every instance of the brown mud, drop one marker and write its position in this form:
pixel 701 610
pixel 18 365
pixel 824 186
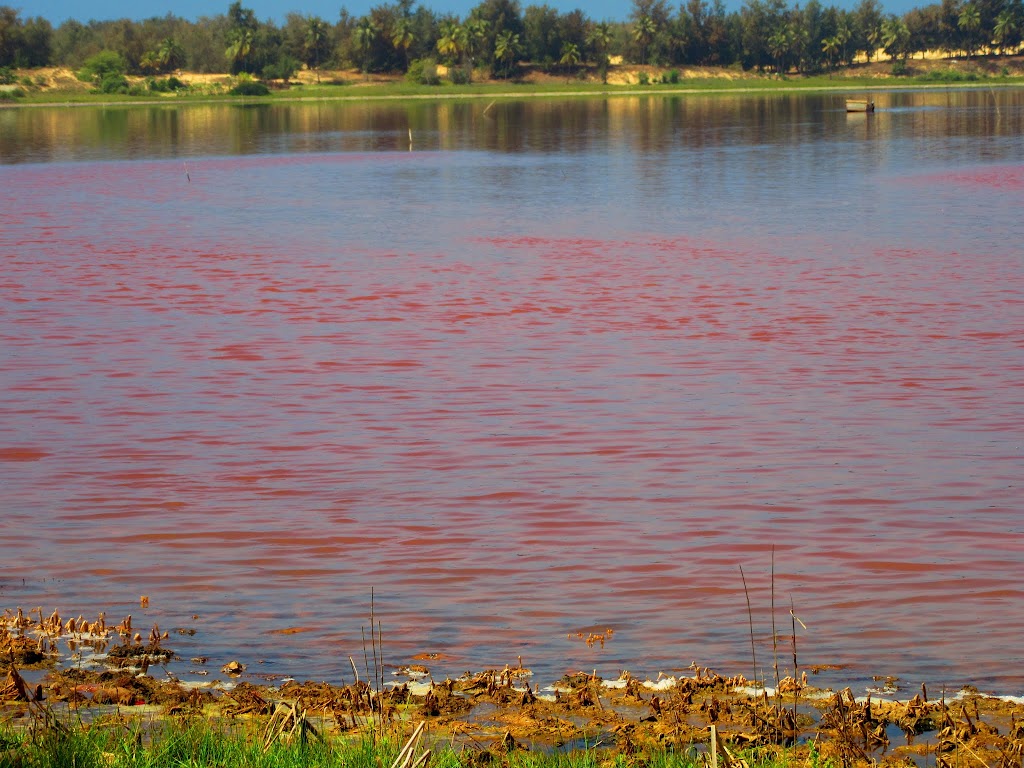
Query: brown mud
pixel 498 710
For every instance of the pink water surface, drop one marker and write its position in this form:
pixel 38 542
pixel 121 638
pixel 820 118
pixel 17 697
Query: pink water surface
pixel 510 436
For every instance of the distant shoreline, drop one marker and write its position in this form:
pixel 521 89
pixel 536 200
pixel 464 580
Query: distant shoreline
pixel 512 95
pixel 60 88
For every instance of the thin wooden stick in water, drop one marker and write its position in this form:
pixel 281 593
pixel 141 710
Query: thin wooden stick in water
pixel 775 634
pixel 750 619
pixel 796 668
pixel 380 652
pixel 366 658
pixel 380 686
pixel 373 645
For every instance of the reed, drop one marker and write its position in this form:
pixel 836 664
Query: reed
pixel 375 691
pixel 750 621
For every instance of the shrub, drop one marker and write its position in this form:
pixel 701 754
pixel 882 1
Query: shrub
pixel 7 76
pixel 11 95
pixel 167 85
pixel 423 72
pixel 900 68
pixel 113 82
pixel 950 76
pixel 98 67
pixel 644 79
pixel 282 69
pixel 249 88
pixel 672 77
pixel 458 75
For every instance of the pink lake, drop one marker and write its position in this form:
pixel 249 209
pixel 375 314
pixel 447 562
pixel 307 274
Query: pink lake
pixel 561 368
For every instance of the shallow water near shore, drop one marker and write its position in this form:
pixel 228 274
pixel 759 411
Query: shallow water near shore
pixel 563 367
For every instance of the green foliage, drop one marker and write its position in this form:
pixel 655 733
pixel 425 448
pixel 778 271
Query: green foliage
pixel 506 51
pixel 192 743
pixel 815 759
pixel 113 82
pixel 239 50
pixel 950 76
pixel 779 35
pixel 24 42
pixel 317 46
pixel 167 57
pixel 900 68
pixel 644 78
pixel 167 85
pixel 102 66
pixel 282 69
pixel 671 77
pixel 11 95
pixel 7 76
pixel 423 72
pixel 364 38
pixel 458 75
pixel 249 88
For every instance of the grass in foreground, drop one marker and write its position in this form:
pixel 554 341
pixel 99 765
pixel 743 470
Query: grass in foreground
pixel 198 743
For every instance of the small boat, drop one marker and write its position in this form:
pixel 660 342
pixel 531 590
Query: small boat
pixel 860 105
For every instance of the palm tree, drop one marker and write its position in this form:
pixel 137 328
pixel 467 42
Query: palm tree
pixel 830 46
pixel 843 36
pixel 316 37
pixel 170 55
pixel 239 48
pixel 1004 30
pixel 452 42
pixel 969 23
pixel 476 36
pixel 779 44
pixel 570 55
pixel 506 49
pixel 874 37
pixel 600 38
pixel 364 36
pixel 403 37
pixel 643 32
pixel 895 37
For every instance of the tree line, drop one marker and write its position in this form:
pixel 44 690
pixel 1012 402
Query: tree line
pixel 498 36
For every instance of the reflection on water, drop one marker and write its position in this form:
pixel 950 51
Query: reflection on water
pixel 650 124
pixel 563 367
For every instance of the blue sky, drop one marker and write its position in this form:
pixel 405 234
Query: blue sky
pixel 59 10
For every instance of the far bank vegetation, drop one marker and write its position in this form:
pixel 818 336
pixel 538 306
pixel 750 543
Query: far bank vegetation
pixel 500 40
